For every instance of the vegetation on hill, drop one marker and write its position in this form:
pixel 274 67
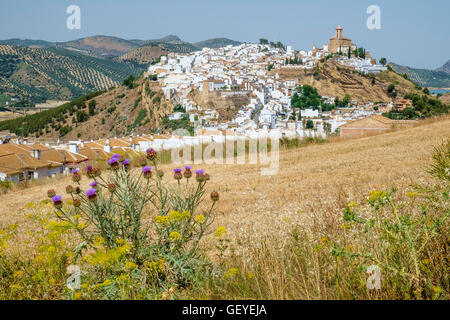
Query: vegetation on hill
pixel 307 97
pixel 424 106
pixel 38 75
pixel 56 118
pixel 217 43
pixel 445 67
pixel 334 80
pixel 137 106
pixel 424 77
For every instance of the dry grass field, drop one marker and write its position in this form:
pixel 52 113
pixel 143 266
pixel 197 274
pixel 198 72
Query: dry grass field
pixel 312 187
pixel 324 177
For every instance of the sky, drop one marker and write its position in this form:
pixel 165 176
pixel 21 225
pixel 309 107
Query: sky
pixel 413 32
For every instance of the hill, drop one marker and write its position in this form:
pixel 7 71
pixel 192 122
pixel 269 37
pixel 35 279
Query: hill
pixel 118 111
pixel 109 47
pixel 333 79
pixel 445 67
pixel 57 74
pixel 142 56
pixel 217 43
pixel 100 46
pixel 424 77
pixel 27 43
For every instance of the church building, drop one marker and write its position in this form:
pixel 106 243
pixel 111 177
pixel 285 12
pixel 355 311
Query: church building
pixel 340 44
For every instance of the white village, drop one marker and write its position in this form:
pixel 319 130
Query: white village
pixel 247 69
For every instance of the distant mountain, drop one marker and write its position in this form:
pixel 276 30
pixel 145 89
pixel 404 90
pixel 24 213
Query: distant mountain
pixel 445 67
pixel 217 43
pixel 424 77
pixel 111 47
pixel 27 43
pixel 37 74
pixel 100 46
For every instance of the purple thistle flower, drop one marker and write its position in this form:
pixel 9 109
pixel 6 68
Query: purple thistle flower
pixel 57 201
pixel 146 169
pixel 177 170
pixel 199 172
pixel 57 198
pixel 93 184
pixel 89 168
pixel 126 162
pixel 75 171
pixel 188 168
pixel 91 192
pixel 113 161
pixel 116 155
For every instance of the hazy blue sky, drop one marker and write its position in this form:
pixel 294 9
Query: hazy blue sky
pixel 414 32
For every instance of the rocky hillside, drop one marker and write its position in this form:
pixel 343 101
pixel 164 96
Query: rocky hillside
pixel 116 112
pixel 333 79
pixel 227 107
pixel 57 74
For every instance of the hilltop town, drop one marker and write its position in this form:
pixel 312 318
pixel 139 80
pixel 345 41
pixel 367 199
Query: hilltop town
pixel 266 80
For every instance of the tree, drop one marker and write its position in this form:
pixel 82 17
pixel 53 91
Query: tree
pixel 92 105
pixel 263 41
pixel 383 61
pixel 129 82
pixel 349 53
pixel 347 99
pixel 309 124
pixel 391 89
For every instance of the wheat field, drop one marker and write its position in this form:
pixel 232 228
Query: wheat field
pixel 316 179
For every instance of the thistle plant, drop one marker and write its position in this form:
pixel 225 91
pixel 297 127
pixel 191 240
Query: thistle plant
pixel 139 218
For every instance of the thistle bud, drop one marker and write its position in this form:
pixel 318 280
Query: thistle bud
pixel 214 196
pixel 76 177
pixel 51 193
pixel 69 189
pixel 151 154
pixel 76 203
pixel 112 187
pixel 142 162
pixel 160 173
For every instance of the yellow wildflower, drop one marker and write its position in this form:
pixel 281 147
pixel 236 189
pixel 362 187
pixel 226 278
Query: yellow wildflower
pixel 412 195
pixel 18 274
pixel 81 226
pixel 161 219
pixel 129 265
pixel 174 236
pixel 77 295
pixel 200 219
pixel 220 231
pixel 107 282
pixel 230 274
